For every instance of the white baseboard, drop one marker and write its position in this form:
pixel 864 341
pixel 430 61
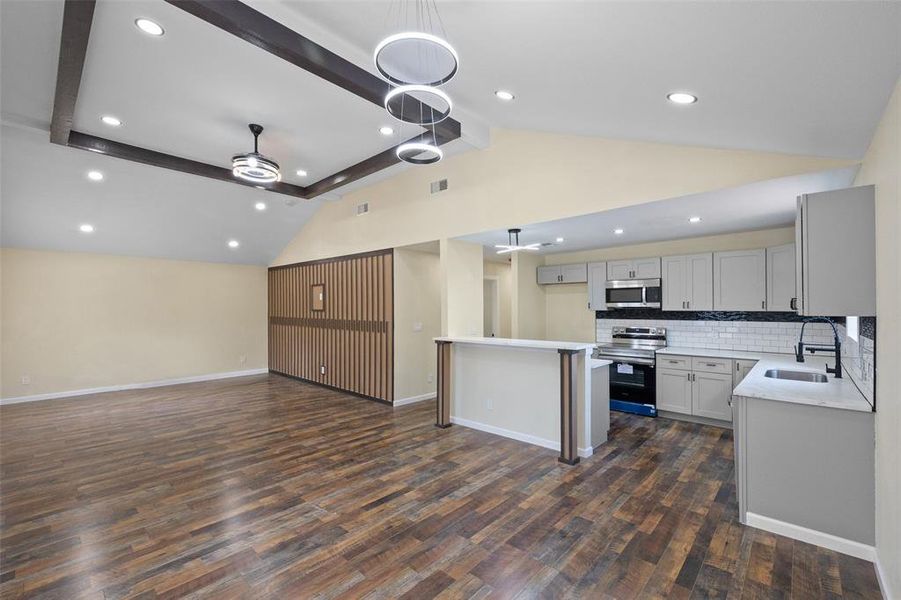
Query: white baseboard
pixel 883 580
pixel 811 536
pixel 515 435
pixel 133 386
pixel 414 399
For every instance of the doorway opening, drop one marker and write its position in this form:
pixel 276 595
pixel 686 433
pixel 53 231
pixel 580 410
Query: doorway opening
pixel 491 306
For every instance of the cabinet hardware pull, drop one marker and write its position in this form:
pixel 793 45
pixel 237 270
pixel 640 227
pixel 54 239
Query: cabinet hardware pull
pixel 793 304
pixel 763 304
pixel 689 376
pixel 711 364
pixel 688 304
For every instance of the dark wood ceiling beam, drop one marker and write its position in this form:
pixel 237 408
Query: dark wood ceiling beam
pixel 78 15
pixel 84 141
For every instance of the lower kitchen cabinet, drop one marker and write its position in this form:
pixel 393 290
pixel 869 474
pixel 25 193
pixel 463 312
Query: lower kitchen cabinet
pixel 696 386
pixel 711 394
pixel 742 368
pixel 674 390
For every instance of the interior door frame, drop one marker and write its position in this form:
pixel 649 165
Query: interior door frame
pixel 496 312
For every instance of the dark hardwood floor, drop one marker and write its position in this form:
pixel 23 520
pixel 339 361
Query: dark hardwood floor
pixel 265 487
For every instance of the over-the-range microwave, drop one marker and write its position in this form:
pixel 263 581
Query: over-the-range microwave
pixel 634 293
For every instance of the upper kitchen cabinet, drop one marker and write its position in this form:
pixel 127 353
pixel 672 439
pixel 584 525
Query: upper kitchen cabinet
pixel 688 282
pixel 835 234
pixel 597 286
pixel 780 278
pixel 739 280
pixel 636 268
pixel 576 273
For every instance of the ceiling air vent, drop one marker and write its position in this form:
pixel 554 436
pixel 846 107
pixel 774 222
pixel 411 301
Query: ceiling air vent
pixel 439 186
pixel 362 208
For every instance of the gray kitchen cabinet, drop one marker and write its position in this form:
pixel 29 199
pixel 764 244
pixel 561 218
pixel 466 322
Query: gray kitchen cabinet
pixel 711 395
pixel 835 235
pixel 780 277
pixel 674 390
pixel 687 282
pixel 597 286
pixel 550 274
pixel 635 268
pixel 739 280
pixel 742 368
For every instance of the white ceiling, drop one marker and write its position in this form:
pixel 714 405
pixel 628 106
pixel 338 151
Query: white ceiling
pixel 795 77
pixel 760 205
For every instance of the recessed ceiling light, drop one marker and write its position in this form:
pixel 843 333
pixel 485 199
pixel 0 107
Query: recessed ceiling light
pixel 504 95
pixel 111 120
pixel 95 175
pixel 618 231
pixel 149 27
pixel 233 243
pixel 86 228
pixel 694 219
pixel 260 206
pixel 386 130
pixel 559 240
pixel 681 98
pixel 301 173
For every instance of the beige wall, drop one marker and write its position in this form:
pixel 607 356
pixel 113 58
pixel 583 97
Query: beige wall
pixel 528 302
pixel 417 321
pixel 461 288
pixel 73 321
pixel 504 275
pixel 882 167
pixel 529 177
pixel 568 317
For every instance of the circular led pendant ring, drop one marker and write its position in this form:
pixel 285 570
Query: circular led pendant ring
pixel 416 110
pixel 438 53
pixel 410 153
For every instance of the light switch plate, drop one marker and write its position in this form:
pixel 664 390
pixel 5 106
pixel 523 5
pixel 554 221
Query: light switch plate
pixel 417 326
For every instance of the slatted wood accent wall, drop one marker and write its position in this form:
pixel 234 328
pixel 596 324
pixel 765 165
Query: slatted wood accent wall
pixel 353 337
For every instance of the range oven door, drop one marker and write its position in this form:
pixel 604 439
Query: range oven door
pixel 634 293
pixel 633 386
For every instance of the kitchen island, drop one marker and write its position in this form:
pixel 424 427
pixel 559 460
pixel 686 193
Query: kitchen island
pixel 548 393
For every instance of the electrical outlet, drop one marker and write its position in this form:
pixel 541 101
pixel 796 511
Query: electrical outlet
pixel 417 326
pixel 26 379
pixel 489 403
pixel 429 378
pixel 322 369
pixel 242 359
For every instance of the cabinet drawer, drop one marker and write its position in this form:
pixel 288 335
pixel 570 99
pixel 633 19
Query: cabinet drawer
pixel 711 365
pixel 668 361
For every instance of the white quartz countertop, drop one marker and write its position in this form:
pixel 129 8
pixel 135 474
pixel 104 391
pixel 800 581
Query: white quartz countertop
pixel 511 343
pixel 595 363
pixel 718 353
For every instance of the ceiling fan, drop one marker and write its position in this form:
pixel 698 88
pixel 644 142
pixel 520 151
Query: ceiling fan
pixel 513 244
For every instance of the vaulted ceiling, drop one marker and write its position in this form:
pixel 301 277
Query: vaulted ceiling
pixel 809 78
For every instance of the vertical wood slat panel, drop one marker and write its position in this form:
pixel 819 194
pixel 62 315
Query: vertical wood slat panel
pixel 353 337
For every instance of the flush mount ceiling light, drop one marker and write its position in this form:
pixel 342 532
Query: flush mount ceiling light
pixel 233 243
pixel 111 120
pixel 301 173
pixel 86 228
pixel 419 153
pixel 253 166
pixel 559 240
pixel 149 27
pixel 694 219
pixel 415 57
pixel 386 130
pixel 513 244
pixel 504 95
pixel 681 98
pixel 618 231
pixel 95 175
pixel 427 98
pixel 260 206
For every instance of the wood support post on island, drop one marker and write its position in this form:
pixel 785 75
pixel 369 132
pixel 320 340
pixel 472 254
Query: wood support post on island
pixel 568 451
pixel 443 419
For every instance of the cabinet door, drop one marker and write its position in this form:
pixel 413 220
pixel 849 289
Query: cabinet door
pixel 780 277
pixel 673 283
pixel 739 280
pixel 674 391
pixel 619 269
pixel 597 286
pixel 574 273
pixel 742 368
pixel 550 274
pixel 699 281
pixel 646 268
pixel 710 395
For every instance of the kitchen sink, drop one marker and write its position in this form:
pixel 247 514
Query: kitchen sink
pixel 796 375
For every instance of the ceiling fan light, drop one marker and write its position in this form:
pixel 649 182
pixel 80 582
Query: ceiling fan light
pixel 253 166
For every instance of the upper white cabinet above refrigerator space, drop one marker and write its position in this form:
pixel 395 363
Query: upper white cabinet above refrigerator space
pixel 835 233
pixel 739 280
pixel 636 268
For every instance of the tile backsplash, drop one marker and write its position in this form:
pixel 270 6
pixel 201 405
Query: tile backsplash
pixel 859 360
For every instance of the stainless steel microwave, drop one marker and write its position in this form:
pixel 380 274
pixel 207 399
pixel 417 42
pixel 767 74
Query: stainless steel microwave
pixel 634 293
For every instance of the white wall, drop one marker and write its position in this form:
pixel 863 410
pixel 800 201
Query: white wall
pixel 504 275
pixel 461 288
pixel 528 302
pixel 417 321
pixel 73 321
pixel 882 167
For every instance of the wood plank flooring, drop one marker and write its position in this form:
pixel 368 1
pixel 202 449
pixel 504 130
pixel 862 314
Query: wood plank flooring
pixel 266 487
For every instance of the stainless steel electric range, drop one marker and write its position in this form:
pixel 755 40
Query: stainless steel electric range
pixel 633 374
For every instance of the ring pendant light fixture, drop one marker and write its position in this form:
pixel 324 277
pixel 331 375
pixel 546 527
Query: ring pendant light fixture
pixel 513 243
pixel 417 62
pixel 253 166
